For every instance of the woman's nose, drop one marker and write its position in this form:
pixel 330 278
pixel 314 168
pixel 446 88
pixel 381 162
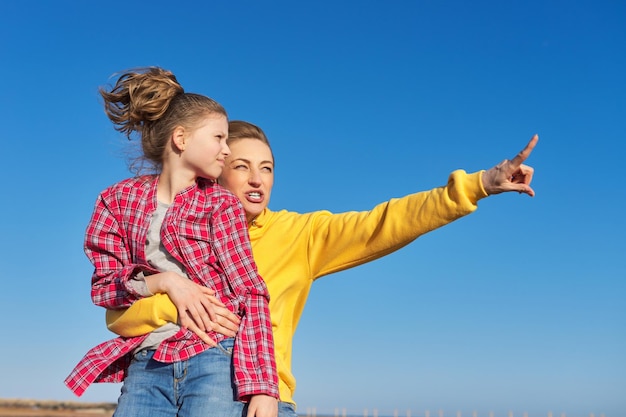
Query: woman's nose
pixel 255 178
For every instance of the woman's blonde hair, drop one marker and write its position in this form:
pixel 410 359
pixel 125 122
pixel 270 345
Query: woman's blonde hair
pixel 149 102
pixel 238 129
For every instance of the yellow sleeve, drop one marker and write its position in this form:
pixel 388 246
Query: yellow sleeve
pixel 143 316
pixel 344 240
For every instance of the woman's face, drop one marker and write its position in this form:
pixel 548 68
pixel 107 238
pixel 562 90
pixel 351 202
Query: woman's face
pixel 249 174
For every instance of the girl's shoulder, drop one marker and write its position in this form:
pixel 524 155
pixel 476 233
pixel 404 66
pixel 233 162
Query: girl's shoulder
pixel 213 192
pixel 136 182
pixel 131 186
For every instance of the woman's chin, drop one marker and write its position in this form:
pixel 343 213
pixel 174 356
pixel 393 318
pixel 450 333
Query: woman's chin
pixel 253 210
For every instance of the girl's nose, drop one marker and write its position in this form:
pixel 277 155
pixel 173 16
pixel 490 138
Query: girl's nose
pixel 225 148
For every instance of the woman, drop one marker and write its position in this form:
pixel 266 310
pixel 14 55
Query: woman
pixel 320 243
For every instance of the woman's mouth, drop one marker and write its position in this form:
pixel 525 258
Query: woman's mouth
pixel 254 197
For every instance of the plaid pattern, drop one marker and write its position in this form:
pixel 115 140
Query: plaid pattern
pixel 205 229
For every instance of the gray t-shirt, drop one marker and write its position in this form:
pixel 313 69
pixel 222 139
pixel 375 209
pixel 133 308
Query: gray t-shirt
pixel 159 258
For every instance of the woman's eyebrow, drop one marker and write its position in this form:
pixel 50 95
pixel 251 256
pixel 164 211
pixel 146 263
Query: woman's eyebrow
pixel 248 161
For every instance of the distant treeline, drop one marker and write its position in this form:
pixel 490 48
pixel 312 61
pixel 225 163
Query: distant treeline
pixel 54 405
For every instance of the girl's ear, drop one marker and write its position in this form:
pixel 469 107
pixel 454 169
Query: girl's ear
pixel 178 138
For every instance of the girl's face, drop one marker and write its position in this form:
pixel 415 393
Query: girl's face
pixel 249 174
pixel 206 149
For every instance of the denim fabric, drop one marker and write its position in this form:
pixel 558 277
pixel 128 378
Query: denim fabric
pixel 286 409
pixel 198 387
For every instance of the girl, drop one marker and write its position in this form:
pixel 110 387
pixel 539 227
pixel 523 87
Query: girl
pixel 177 233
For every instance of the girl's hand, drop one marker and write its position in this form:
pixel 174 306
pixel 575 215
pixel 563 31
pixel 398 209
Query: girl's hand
pixel 262 406
pixel 226 322
pixel 198 308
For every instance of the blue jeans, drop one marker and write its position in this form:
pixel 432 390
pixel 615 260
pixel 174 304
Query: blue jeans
pixel 199 387
pixel 286 409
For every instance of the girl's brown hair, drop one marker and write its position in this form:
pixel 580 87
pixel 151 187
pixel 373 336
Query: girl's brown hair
pixel 149 102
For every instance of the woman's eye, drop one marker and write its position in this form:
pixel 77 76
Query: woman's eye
pixel 266 169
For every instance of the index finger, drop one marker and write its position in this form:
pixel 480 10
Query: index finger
pixel 525 153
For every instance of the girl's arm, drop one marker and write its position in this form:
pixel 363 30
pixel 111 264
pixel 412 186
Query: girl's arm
pixel 112 283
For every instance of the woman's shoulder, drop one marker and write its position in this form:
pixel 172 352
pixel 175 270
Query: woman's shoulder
pixel 292 217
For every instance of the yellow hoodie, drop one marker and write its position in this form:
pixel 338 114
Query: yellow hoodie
pixel 292 250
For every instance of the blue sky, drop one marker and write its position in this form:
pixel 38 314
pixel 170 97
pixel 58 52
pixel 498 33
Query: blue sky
pixel 518 307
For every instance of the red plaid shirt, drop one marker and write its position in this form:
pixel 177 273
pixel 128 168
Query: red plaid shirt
pixel 204 229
